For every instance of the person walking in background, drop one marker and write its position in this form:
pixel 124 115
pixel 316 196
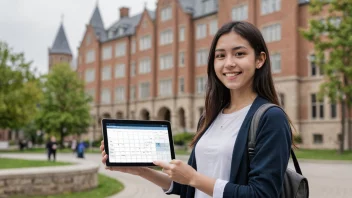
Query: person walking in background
pixel 80 149
pixel 51 147
pixel 74 146
pixel 239 82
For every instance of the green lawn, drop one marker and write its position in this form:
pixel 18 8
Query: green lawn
pixel 322 154
pixel 106 187
pixel 7 163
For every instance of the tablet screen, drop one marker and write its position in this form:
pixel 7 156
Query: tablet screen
pixel 137 143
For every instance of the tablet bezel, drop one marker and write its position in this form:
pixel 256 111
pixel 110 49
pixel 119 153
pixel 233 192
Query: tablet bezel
pixel 151 122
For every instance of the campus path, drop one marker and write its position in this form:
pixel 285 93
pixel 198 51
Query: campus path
pixel 326 179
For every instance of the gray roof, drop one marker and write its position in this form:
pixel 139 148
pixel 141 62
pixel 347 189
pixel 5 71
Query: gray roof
pixel 97 23
pixel 199 8
pixel 60 45
pixel 303 1
pixel 127 26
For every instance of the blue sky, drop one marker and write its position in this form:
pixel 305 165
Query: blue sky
pixel 30 26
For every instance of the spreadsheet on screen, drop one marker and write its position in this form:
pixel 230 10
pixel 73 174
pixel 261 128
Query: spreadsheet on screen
pixel 138 143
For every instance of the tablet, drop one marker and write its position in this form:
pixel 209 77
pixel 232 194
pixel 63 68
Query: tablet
pixel 137 142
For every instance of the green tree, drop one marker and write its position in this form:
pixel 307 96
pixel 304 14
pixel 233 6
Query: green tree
pixel 19 89
pixel 65 106
pixel 332 38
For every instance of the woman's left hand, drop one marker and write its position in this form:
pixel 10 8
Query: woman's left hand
pixel 178 171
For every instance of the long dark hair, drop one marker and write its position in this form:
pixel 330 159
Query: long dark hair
pixel 217 95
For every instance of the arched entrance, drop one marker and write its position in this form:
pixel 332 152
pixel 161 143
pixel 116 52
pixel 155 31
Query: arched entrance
pixel 145 114
pixel 164 114
pixel 119 115
pixel 181 119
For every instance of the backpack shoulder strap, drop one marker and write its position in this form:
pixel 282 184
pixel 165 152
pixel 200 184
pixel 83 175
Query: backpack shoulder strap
pixel 254 126
pixel 253 134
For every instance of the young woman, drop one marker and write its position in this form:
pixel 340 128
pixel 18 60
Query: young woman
pixel 239 82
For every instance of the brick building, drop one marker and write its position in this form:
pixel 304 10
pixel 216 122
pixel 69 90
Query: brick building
pixel 153 65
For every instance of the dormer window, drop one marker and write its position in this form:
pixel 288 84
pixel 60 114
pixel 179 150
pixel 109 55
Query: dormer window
pixel 120 31
pixel 208 6
pixel 111 34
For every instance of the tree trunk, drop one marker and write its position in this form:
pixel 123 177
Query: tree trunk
pixel 342 134
pixel 62 138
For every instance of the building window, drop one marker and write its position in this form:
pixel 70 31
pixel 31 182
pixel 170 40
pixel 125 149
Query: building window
pixel 89 75
pixel 166 37
pixel 317 138
pixel 181 85
pixel 240 13
pixel 181 61
pixel 106 75
pixel 201 31
pixel 272 33
pixel 165 87
pixel 166 62
pixel 282 100
pixel 88 40
pixel 144 66
pixel 182 33
pixel 333 110
pixel 317 107
pixel 276 63
pixel 133 46
pixel 145 43
pixel 91 93
pixel 90 56
pixel 166 13
pixel 107 51
pixel 208 6
pixel 133 69
pixel 144 90
pixel 315 70
pixel 120 94
pixel 120 49
pixel 202 57
pixel 105 96
pixel 120 70
pixel 200 85
pixel 213 27
pixel 133 93
pixel 270 6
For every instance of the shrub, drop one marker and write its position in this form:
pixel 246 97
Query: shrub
pixel 297 139
pixel 182 138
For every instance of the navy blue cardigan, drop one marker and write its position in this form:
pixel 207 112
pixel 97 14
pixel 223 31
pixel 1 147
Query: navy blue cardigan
pixel 264 176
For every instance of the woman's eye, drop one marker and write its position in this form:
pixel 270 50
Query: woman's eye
pixel 219 55
pixel 240 54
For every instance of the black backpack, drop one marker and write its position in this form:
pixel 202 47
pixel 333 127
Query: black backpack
pixel 295 184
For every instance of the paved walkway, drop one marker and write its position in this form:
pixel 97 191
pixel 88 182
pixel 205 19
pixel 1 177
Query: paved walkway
pixel 326 179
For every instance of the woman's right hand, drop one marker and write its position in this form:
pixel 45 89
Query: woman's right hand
pixel 129 170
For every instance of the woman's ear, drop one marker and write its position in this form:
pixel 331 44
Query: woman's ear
pixel 260 60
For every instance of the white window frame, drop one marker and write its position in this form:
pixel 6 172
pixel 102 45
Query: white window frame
pixel 105 96
pixel 201 82
pixel 145 43
pixel 107 52
pixel 120 70
pixel 120 49
pixel 201 32
pixel 240 12
pixel 90 56
pixel 166 61
pixel 181 84
pixel 276 63
pixel 166 13
pixel 272 32
pixel 144 66
pixel 165 87
pixel 202 57
pixel 106 73
pixel 89 75
pixel 141 89
pixel 182 59
pixel 120 94
pixel 166 37
pixel 270 6
pixel 213 27
pixel 182 32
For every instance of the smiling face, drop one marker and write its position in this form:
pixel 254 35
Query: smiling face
pixel 235 62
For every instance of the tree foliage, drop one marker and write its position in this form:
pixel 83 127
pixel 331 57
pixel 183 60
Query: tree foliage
pixel 19 89
pixel 65 106
pixel 332 39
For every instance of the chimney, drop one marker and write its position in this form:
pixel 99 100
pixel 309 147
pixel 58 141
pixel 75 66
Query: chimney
pixel 124 12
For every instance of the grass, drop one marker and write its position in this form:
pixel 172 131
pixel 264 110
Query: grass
pixel 43 150
pixel 8 163
pixel 106 187
pixel 322 154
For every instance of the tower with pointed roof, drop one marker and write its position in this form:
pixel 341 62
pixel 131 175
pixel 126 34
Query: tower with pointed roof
pixel 60 51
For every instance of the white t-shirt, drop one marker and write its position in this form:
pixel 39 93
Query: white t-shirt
pixel 214 150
